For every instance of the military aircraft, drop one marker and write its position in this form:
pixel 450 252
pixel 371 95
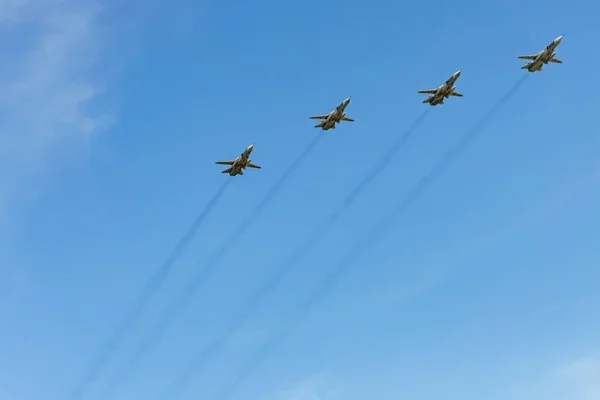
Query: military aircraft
pixel 240 163
pixel 333 117
pixel 543 57
pixel 442 92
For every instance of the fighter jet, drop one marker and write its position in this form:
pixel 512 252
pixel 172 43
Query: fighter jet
pixel 543 57
pixel 334 117
pixel 442 92
pixel 240 163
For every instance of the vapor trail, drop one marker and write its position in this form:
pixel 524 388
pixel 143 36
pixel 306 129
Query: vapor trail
pixel 201 274
pixel 144 297
pixel 304 307
pixel 203 356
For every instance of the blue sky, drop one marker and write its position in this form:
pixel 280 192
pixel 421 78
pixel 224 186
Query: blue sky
pixel 484 286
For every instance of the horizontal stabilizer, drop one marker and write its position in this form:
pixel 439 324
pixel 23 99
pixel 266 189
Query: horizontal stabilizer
pixel 347 119
pixel 224 162
pixel 456 94
pixel 319 126
pixel 555 60
pixel 253 166
pixel 228 170
pixel 525 66
pixel 428 100
pixel 531 57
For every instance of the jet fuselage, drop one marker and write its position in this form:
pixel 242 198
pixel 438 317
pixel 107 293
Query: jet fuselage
pixel 336 115
pixel 242 161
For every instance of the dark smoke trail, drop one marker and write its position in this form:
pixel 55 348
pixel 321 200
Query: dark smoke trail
pixel 145 296
pixel 201 274
pixel 303 308
pixel 202 357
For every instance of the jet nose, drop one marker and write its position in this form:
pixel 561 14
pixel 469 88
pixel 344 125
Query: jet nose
pixel 457 73
pixel 558 39
pixel 251 147
pixel 347 101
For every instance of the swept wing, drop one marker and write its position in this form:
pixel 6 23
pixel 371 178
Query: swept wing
pixel 225 162
pixel 428 91
pixel 531 57
pixel 320 116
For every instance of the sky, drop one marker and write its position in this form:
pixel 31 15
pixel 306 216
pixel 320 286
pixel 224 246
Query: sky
pixel 459 270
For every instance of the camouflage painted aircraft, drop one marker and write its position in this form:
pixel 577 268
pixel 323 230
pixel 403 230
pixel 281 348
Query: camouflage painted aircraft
pixel 240 163
pixel 442 92
pixel 336 116
pixel 543 57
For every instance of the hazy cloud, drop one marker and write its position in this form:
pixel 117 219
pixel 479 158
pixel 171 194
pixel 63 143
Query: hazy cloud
pixel 583 378
pixel 49 74
pixel 318 387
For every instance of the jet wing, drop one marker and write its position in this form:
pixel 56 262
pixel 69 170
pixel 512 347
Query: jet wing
pixel 531 57
pixel 320 116
pixel 225 162
pixel 429 91
pixel 253 166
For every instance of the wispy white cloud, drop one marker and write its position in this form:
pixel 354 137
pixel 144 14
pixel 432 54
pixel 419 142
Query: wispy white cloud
pixel 50 52
pixel 318 387
pixel 582 378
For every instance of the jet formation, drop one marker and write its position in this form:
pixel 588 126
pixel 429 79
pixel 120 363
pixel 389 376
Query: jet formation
pixel 242 162
pixel 543 57
pixel 438 95
pixel 443 92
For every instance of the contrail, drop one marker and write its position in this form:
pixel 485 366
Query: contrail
pixel 144 297
pixel 201 274
pixel 202 357
pixel 303 308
